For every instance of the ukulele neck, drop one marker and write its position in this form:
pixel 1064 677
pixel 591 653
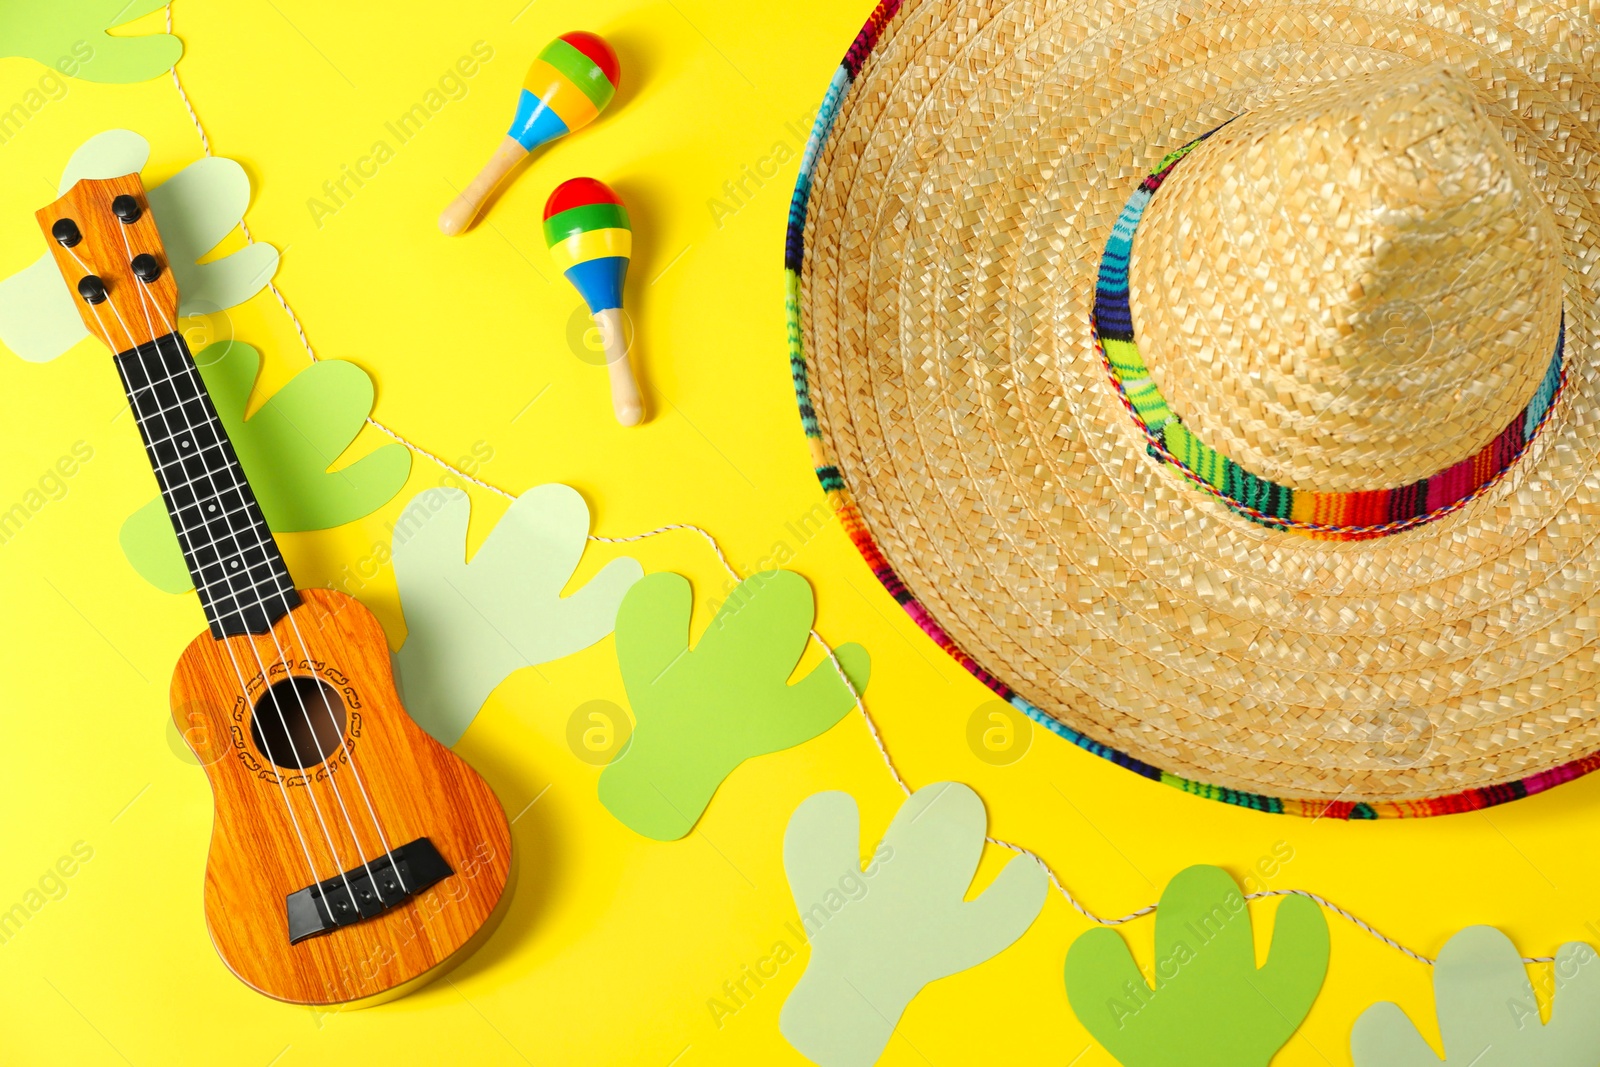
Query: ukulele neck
pixel 238 571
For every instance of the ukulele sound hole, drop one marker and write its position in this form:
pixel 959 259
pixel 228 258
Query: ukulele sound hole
pixel 298 722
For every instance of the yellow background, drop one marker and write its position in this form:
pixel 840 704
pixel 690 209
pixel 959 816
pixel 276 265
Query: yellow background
pixel 614 944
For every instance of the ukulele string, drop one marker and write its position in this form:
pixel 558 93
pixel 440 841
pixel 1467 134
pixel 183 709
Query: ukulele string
pixel 283 720
pixel 228 647
pixel 244 691
pixel 146 301
pixel 294 820
pixel 149 299
pixel 238 673
pixel 294 749
pixel 128 388
pixel 361 787
pixel 105 334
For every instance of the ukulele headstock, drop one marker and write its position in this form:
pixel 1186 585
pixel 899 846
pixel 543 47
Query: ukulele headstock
pixel 110 255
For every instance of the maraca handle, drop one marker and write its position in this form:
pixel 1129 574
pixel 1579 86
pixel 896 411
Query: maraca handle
pixel 459 215
pixel 625 398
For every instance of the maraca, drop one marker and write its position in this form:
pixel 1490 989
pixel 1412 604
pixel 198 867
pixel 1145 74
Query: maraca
pixel 587 230
pixel 570 82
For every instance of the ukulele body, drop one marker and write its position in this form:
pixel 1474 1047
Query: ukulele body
pixel 381 767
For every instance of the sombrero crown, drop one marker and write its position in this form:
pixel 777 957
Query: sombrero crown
pixel 1346 304
pixel 1213 379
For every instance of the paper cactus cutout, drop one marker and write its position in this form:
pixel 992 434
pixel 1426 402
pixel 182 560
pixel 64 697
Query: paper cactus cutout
pixel 701 712
pixel 471 624
pixel 879 935
pixel 1488 1016
pixel 286 448
pixel 70 36
pixel 194 210
pixel 1211 1006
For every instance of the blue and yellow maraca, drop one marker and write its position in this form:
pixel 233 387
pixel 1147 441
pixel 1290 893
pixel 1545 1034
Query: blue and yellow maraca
pixel 590 239
pixel 570 82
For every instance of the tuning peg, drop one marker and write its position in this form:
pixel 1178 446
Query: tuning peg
pixel 587 229
pixel 570 82
pixel 127 209
pixel 92 289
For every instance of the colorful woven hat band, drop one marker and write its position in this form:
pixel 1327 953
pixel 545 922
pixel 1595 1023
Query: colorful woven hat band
pixel 1334 515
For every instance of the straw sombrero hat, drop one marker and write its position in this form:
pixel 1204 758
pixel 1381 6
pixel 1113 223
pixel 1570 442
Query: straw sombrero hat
pixel 1215 379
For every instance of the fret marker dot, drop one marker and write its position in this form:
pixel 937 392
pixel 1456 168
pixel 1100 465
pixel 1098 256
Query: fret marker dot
pixel 211 507
pixel 185 443
pixel 235 564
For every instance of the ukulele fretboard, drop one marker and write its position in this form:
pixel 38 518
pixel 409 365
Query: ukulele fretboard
pixel 237 569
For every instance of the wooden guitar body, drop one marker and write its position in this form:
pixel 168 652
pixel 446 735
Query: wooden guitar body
pixel 281 829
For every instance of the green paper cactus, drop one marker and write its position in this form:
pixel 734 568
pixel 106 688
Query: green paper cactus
pixel 470 624
pixel 70 36
pixel 1488 1016
pixel 701 712
pixel 1211 1006
pixel 879 934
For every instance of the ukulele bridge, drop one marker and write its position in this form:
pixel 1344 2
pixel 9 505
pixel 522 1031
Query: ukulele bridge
pixel 352 897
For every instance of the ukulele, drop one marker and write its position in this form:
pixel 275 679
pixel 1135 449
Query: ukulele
pixel 352 855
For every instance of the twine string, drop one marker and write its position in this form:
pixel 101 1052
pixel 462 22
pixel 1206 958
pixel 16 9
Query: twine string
pixel 866 716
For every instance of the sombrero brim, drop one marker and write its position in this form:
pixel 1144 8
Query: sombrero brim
pixel 960 181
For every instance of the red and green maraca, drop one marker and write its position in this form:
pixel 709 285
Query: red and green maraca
pixel 590 239
pixel 570 82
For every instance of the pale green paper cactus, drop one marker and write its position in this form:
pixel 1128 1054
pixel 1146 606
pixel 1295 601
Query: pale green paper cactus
pixel 701 712
pixel 70 36
pixel 471 624
pixel 879 935
pixel 1488 1016
pixel 194 210
pixel 286 448
pixel 1211 1006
